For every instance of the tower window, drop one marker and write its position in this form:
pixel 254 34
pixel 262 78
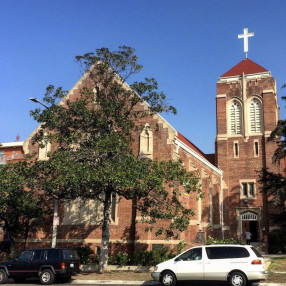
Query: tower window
pixel 256 149
pixel 235 118
pixel 236 150
pixel 255 116
pixel 248 190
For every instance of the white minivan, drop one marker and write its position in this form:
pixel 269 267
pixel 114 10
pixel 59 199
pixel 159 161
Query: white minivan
pixel 236 264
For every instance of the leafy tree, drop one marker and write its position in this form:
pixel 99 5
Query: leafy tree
pixel 19 209
pixel 94 134
pixel 274 185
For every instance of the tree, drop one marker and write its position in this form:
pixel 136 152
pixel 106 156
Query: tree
pixel 19 209
pixel 94 134
pixel 274 185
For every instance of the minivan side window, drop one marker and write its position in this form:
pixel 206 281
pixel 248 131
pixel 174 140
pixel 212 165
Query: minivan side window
pixel 192 254
pixel 224 252
pixel 217 252
pixel 238 252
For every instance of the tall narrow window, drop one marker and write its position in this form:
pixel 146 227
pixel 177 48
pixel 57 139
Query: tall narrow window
pixel 256 149
pixel 255 116
pixel 2 157
pixel 236 153
pixel 235 118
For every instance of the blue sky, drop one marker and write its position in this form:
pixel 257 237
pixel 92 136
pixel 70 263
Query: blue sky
pixel 185 44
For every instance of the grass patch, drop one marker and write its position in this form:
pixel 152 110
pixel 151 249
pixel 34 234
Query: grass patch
pixel 277 264
pixel 276 278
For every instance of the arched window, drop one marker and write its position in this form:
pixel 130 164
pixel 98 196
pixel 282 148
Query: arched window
pixel 255 116
pixel 235 118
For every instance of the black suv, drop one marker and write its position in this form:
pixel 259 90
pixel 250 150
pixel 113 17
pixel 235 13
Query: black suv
pixel 45 263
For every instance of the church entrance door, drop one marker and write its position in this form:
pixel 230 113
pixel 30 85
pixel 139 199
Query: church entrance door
pixel 250 223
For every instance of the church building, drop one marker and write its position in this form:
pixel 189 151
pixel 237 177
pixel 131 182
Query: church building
pixel 246 113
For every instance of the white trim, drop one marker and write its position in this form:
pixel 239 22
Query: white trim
pixel 198 156
pixel 248 76
pixel 12 144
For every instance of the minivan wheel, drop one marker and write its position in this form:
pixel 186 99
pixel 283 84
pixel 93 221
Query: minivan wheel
pixel 237 279
pixel 168 278
pixel 3 276
pixel 47 277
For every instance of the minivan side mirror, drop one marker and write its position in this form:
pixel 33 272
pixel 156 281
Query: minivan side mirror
pixel 177 259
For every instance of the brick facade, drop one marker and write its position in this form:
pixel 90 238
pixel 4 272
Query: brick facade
pixel 224 211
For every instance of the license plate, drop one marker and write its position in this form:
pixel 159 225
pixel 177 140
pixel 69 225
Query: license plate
pixel 71 265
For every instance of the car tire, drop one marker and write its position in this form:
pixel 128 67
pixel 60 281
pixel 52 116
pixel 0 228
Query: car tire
pixel 47 277
pixel 168 278
pixel 3 276
pixel 237 279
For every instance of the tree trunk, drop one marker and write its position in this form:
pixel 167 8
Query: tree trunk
pixel 12 248
pixel 103 259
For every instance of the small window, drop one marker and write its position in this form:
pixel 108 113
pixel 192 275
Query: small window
pixel 192 254
pixel 248 189
pixel 256 149
pixel 236 154
pixel 2 157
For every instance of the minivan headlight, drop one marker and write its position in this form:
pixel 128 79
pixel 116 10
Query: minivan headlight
pixel 156 268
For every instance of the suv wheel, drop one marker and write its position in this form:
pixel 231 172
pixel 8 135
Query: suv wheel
pixel 3 276
pixel 168 278
pixel 237 279
pixel 47 277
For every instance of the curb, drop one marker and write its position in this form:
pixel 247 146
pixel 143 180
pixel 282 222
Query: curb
pixel 116 282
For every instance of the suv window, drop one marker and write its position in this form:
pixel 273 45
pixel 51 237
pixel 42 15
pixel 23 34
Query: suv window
pixel 192 254
pixel 53 254
pixel 37 255
pixel 25 256
pixel 70 254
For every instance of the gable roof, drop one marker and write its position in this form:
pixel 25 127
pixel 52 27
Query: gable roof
pixel 246 66
pixel 190 144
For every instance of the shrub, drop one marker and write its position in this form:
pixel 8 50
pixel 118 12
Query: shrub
pixel 274 242
pixel 212 240
pixel 84 253
pixel 153 257
pixel 122 259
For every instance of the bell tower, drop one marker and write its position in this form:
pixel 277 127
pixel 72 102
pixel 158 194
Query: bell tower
pixel 246 113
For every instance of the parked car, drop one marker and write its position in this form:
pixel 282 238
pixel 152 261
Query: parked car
pixel 236 264
pixel 45 263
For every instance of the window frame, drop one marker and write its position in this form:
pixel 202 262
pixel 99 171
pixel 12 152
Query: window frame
pixel 247 189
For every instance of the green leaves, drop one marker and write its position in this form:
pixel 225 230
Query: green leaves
pixel 93 152
pixel 19 207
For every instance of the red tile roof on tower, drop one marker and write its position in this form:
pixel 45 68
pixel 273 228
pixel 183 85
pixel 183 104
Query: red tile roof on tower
pixel 246 66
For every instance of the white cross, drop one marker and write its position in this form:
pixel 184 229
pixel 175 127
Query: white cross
pixel 245 36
